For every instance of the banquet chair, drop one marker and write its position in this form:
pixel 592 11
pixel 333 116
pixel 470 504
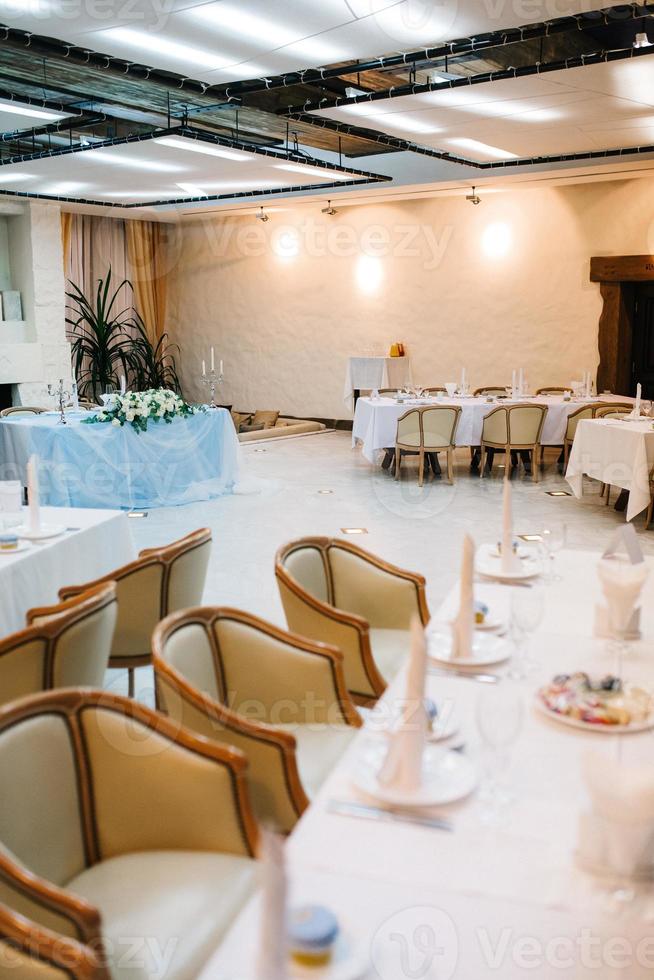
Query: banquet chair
pixel 426 431
pixel 213 666
pixel 336 593
pixel 585 412
pixel 612 409
pixel 31 952
pixel 514 428
pixel 490 390
pixel 88 404
pixel 63 646
pixel 140 834
pixel 19 410
pixel 160 581
pixel 552 390
pixel 438 390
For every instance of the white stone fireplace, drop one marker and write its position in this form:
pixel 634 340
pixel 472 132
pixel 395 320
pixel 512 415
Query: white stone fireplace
pixel 34 350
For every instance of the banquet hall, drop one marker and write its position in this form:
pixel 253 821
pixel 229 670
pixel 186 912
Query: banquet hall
pixel 326 490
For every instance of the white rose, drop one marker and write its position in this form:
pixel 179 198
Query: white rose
pixel 115 422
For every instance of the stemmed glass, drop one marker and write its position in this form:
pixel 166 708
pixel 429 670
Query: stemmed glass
pixel 554 539
pixel 527 610
pixel 499 715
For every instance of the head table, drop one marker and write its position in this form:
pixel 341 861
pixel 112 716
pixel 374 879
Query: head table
pixel 375 420
pixel 102 465
pixel 506 899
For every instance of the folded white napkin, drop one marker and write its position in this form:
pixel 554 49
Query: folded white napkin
pixel 402 767
pixel 617 834
pixel 463 626
pixel 272 954
pixel 33 493
pixel 622 582
pixel 510 561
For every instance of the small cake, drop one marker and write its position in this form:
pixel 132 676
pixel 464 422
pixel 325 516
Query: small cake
pixel 481 612
pixel 312 933
pixel 8 542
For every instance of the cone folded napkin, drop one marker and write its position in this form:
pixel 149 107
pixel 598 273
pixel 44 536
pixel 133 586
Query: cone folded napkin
pixel 464 624
pixel 510 561
pixel 402 767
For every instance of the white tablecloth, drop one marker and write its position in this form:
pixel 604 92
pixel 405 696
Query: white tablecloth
pixel 375 422
pixel 496 883
pixel 616 452
pixel 97 542
pixel 366 373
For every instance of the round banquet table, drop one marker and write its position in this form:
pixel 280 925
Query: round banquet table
pixel 102 465
pixel 375 420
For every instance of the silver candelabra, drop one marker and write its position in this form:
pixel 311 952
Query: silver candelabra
pixel 211 380
pixel 62 396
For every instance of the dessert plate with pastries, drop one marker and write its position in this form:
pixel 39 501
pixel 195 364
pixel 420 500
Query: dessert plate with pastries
pixel 607 704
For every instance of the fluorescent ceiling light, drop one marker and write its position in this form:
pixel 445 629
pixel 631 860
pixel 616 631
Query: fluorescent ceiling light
pixel 301 168
pixel 315 49
pixel 475 146
pixel 14 177
pixel 233 20
pixel 507 110
pixel 399 121
pixel 192 190
pixel 150 44
pixel 27 110
pixel 362 109
pixel 63 187
pixel 196 146
pixel 139 195
pixel 102 156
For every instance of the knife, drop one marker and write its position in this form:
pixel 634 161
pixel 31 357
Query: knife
pixel 348 808
pixel 453 672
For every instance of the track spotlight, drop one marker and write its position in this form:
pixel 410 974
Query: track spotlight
pixel 473 198
pixel 329 209
pixel 262 216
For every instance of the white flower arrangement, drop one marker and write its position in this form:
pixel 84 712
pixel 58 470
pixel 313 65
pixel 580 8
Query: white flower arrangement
pixel 137 408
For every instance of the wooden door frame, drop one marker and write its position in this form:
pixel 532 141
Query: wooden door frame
pixel 617 276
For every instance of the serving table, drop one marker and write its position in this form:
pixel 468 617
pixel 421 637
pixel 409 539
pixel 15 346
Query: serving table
pixel 94 542
pixel 102 465
pixel 618 452
pixel 375 420
pixel 485 887
pixel 366 373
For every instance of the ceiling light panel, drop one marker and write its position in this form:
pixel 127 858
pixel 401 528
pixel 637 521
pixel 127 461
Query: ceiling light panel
pixel 167 168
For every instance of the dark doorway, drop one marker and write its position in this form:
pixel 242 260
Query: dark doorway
pixel 642 367
pixel 5 396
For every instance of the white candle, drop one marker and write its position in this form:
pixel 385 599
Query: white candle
pixel 463 380
pixel 204 370
pixel 213 364
pixel 221 366
pixel 513 382
pixel 637 406
pixel 123 384
pixel 520 382
pixel 33 494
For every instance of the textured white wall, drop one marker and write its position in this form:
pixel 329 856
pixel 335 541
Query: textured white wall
pixel 285 302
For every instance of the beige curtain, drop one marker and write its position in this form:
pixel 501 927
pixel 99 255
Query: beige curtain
pixel 93 245
pixel 145 249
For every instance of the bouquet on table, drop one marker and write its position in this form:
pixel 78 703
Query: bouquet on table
pixel 138 408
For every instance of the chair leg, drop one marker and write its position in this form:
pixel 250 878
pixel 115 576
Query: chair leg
pixel 607 501
pixel 566 453
pixel 648 519
pixel 482 465
pixel 421 468
pixel 130 682
pixel 507 462
pixel 450 468
pixel 535 464
pixel 602 489
pixel 398 462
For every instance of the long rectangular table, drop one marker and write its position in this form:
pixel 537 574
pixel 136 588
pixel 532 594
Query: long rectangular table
pixel 375 421
pixel 496 885
pixel 94 543
pixel 102 465
pixel 617 452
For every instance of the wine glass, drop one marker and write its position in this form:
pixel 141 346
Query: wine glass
pixel 527 610
pixel 499 716
pixel 554 539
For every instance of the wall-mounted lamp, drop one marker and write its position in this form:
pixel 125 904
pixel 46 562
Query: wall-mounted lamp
pixel 329 209
pixel 473 198
pixel 262 216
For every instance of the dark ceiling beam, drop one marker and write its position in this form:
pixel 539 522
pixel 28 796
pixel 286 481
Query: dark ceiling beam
pixel 62 126
pixel 541 68
pixel 55 106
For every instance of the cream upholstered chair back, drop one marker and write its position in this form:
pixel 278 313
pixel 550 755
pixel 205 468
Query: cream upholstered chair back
pixel 18 410
pixel 495 427
pixel 408 429
pixel 160 581
pixel 30 952
pixel 439 426
pixel 63 646
pixel 231 677
pixel 436 390
pixel 89 767
pixel 552 390
pixel 491 390
pixel 602 409
pixel 585 412
pixel 525 424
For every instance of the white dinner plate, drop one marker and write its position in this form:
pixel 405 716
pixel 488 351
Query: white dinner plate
pixel 585 726
pixel 22 546
pixel 349 961
pixel 489 564
pixel 46 531
pixel 446 777
pixel 487 649
pixel 441 728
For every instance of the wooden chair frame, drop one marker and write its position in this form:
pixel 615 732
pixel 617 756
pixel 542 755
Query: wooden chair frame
pixel 25 409
pixel 534 448
pixel 327 609
pixel 490 388
pixel 73 958
pixel 423 450
pixel 552 390
pixel 164 556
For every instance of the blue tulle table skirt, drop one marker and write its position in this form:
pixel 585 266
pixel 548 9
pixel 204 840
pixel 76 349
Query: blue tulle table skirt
pixel 101 465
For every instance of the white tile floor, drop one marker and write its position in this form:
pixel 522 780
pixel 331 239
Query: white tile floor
pixel 418 528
